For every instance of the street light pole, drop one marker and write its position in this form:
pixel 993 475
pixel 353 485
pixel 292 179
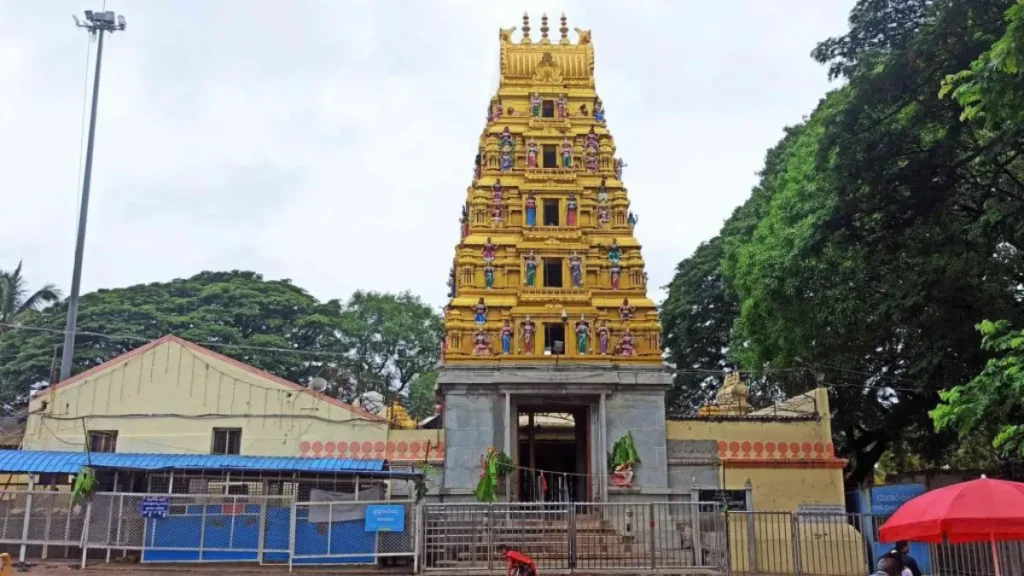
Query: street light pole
pixel 96 23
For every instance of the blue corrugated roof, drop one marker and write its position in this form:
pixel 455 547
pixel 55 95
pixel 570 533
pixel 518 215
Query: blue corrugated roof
pixel 44 462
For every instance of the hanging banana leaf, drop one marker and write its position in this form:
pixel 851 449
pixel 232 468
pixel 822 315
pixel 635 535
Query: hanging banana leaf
pixel 85 484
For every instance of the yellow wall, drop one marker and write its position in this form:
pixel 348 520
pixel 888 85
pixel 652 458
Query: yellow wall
pixel 782 481
pixel 170 397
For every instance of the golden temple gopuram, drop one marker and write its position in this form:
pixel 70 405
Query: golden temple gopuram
pixel 548 266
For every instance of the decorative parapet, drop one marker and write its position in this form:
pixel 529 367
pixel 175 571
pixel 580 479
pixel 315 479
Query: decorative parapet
pixel 759 454
pixel 392 451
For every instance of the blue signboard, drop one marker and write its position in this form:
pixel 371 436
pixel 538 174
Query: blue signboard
pixel 885 500
pixel 385 518
pixel 155 507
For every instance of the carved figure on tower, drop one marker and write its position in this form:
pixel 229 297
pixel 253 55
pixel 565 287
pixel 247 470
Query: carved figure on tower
pixel 506 337
pixel 528 328
pixel 582 335
pixel 497 190
pixel 602 190
pixel 481 343
pixel 614 254
pixel 480 315
pixel 464 222
pixel 616 275
pixel 591 162
pixel 531 269
pixel 632 219
pixel 619 165
pixel 562 106
pixel 451 282
pixel 604 216
pixel 535 102
pixel 583 110
pixel 626 343
pixel 531 210
pixel 603 337
pixel 506 139
pixel 507 159
pixel 598 110
pixel 476 168
pixel 489 251
pixel 499 109
pixel 532 152
pixel 566 153
pixel 592 141
pixel 625 311
pixel 571 207
pixel 576 270
pixel 489 276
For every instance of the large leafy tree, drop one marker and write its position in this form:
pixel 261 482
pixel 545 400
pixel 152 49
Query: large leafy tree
pixel 16 300
pixel 883 229
pixel 270 324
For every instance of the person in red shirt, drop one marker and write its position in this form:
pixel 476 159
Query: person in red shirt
pixel 519 564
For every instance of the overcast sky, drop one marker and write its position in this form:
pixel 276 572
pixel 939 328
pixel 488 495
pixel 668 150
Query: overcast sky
pixel 332 142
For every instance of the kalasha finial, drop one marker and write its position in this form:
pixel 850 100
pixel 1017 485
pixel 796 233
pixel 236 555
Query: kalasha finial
pixel 526 28
pixel 564 30
pixel 544 28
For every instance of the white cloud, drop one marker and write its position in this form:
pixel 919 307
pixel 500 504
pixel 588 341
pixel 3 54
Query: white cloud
pixel 332 143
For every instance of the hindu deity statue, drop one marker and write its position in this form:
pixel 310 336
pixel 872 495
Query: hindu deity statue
pixel 632 219
pixel 531 210
pixel 497 213
pixel 562 106
pixel 616 275
pixel 614 254
pixel 489 276
pixel 582 335
pixel 626 343
pixel 464 222
pixel 625 311
pixel 598 110
pixel 531 269
pixel 535 102
pixel 576 270
pixel 451 282
pixel 591 161
pixel 583 110
pixel 480 309
pixel 497 191
pixel 489 251
pixel 619 165
pixel 566 153
pixel 604 215
pixel 499 109
pixel 506 139
pixel 603 337
pixel 571 206
pixel 477 168
pixel 506 337
pixel 532 153
pixel 506 159
pixel 528 328
pixel 592 141
pixel 481 343
pixel 602 190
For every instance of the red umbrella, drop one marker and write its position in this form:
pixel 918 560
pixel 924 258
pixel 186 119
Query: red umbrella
pixel 982 510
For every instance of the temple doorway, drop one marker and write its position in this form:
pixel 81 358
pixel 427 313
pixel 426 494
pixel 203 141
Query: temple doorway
pixel 553 453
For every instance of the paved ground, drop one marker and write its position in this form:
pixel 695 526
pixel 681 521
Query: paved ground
pixel 97 569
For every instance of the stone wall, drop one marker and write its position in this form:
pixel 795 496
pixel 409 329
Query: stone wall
pixel 643 414
pixel 474 421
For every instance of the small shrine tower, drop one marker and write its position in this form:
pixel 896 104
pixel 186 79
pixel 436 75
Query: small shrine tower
pixel 548 311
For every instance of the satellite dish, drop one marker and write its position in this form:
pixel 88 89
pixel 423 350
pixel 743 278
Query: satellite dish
pixel 318 384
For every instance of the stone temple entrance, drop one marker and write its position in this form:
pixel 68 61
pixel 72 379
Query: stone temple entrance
pixel 552 451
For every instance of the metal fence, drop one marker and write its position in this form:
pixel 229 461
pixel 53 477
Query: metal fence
pixel 193 528
pixel 589 538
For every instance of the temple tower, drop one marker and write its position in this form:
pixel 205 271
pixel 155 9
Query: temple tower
pixel 552 347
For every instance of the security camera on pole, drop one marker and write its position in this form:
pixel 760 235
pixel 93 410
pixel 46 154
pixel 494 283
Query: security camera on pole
pixel 96 23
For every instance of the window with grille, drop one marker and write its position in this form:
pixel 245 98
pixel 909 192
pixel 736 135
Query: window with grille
pixel 227 441
pixel 102 440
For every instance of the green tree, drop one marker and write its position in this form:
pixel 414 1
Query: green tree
pixel 422 399
pixel 991 405
pixel 15 299
pixel 389 340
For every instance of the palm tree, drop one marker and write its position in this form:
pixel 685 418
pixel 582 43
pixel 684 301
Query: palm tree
pixel 15 299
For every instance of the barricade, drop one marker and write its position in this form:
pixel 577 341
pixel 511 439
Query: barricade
pixel 354 532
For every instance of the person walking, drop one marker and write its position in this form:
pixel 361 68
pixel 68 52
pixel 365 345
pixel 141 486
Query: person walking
pixel 903 550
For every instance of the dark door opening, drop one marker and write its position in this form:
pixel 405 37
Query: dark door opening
pixel 553 454
pixel 547 109
pixel 554 338
pixel 550 157
pixel 551 213
pixel 552 272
